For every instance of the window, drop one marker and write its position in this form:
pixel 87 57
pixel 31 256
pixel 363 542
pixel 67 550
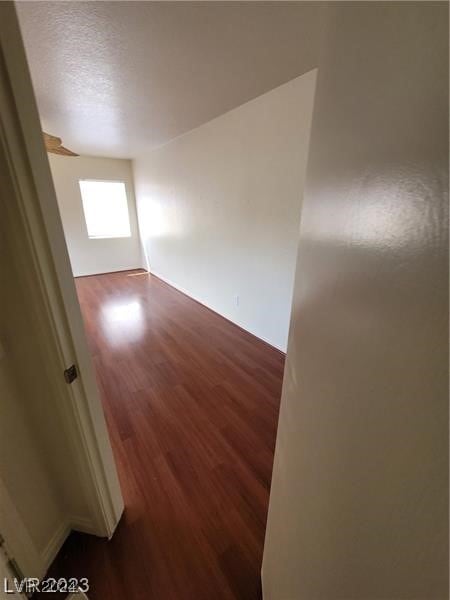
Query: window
pixel 105 209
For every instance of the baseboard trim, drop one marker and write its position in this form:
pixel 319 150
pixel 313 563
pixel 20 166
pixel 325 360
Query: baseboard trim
pixel 109 272
pixel 83 525
pixel 56 542
pixel 188 294
pixel 54 545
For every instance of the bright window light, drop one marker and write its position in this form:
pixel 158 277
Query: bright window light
pixel 105 208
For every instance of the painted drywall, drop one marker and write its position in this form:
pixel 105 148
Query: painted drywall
pixel 45 468
pixel 24 472
pixel 359 498
pixel 219 208
pixel 91 256
pixel 32 473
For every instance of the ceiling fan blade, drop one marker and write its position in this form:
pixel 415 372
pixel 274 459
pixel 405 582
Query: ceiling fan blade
pixel 51 141
pixel 53 145
pixel 63 151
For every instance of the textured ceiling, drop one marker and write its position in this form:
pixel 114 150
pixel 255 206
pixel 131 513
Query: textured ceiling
pixel 117 78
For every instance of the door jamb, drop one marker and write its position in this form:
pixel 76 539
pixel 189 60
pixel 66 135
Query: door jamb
pixel 35 201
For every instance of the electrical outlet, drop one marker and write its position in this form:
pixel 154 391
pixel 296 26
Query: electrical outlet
pixel 236 300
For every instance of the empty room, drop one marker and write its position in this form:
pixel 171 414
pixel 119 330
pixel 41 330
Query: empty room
pixel 223 335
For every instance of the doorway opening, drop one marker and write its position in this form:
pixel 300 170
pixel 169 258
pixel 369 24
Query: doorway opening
pixel 184 282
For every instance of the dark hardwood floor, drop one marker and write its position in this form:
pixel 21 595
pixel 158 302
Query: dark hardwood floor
pixel 191 403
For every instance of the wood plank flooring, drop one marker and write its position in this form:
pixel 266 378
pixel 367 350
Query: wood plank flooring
pixel 191 403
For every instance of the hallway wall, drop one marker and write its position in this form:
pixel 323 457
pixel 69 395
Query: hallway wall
pixel 359 497
pixel 51 467
pixel 37 469
pixel 219 208
pixel 26 476
pixel 92 256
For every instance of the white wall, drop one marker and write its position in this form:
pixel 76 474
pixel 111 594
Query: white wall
pixel 359 497
pixel 90 256
pixel 46 461
pixel 24 470
pixel 37 468
pixel 219 208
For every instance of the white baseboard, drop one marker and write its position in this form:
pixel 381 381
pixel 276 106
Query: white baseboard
pixel 83 525
pixel 93 273
pixel 57 540
pixel 190 295
pixel 54 546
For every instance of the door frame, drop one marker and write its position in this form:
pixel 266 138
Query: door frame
pixel 35 206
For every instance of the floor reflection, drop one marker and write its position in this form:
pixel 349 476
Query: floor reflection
pixel 123 322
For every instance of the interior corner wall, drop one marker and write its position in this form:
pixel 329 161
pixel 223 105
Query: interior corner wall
pixel 359 497
pixel 219 208
pixel 92 256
